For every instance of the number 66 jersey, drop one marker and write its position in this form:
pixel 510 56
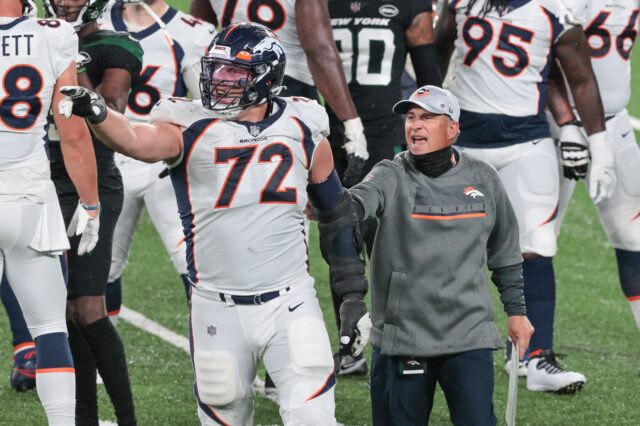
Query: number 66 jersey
pixel 501 80
pixel 242 190
pixel 35 53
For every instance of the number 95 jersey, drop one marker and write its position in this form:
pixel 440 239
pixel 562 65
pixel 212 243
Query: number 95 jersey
pixel 504 66
pixel 242 190
pixel 35 53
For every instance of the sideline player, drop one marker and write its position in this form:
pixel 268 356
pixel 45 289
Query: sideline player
pixel 374 39
pixel 504 50
pixel 38 58
pixel 611 28
pixel 109 64
pixel 171 67
pixel 304 29
pixel 242 183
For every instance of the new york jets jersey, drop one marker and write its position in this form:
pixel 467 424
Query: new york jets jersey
pixel 280 17
pixel 35 53
pixel 611 27
pixel 501 79
pixel 370 37
pixel 241 191
pixel 167 54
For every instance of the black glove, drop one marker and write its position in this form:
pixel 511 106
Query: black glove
pixel 83 103
pixel 355 323
pixel 574 152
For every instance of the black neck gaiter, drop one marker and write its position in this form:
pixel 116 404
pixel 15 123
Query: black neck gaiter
pixel 435 163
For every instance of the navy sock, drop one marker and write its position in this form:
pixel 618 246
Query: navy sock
pixel 18 325
pixel 113 296
pixel 53 351
pixel 629 272
pixel 540 299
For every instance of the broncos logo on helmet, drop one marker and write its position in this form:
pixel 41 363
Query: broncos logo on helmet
pixel 243 67
pixel 78 13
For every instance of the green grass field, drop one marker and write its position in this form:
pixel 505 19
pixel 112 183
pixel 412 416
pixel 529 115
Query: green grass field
pixel 594 328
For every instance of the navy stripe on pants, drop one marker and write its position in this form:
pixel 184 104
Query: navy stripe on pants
pixel 466 379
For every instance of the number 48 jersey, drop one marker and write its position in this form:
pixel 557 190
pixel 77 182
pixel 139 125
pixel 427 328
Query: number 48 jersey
pixel 370 37
pixel 35 53
pixel 611 27
pixel 242 190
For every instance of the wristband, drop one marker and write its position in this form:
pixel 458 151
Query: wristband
pixel 90 207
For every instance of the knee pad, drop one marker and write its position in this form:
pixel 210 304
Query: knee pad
pixel 216 373
pixel 541 241
pixel 309 346
pixel 310 415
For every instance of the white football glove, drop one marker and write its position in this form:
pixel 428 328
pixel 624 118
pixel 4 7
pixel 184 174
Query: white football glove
pixel 357 154
pixel 355 324
pixel 83 223
pixel 574 152
pixel 602 178
pixel 83 103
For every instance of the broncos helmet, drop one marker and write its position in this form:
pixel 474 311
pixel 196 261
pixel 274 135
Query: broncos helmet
pixel 78 16
pixel 257 59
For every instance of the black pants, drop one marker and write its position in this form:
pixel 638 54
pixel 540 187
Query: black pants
pixel 466 379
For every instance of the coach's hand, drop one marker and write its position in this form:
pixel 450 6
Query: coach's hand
pixel 574 151
pixel 357 154
pixel 602 178
pixel 355 323
pixel 520 330
pixel 83 103
pixel 85 221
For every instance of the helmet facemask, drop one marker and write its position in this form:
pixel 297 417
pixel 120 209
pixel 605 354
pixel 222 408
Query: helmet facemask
pixel 75 12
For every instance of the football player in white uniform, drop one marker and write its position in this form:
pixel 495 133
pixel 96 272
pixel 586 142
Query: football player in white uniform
pixel 38 58
pixel 611 27
pixel 173 43
pixel 503 52
pixel 243 163
pixel 304 28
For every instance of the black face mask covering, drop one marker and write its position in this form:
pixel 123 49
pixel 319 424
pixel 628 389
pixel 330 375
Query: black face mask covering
pixel 435 163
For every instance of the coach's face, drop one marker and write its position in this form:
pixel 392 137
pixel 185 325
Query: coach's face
pixel 426 132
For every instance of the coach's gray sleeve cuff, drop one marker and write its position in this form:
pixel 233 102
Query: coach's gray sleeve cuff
pixel 510 283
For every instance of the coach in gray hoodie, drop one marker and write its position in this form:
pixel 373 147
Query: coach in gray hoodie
pixel 444 218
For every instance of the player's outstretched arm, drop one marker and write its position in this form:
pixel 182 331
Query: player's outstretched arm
pixel 316 38
pixel 341 248
pixel 202 9
pixel 420 40
pixel 75 143
pixel 445 35
pixel 151 142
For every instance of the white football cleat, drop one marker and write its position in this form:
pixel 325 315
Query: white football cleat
pixel 545 374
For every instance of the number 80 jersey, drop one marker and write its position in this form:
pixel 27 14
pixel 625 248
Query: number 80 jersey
pixel 502 69
pixel 241 190
pixel 35 53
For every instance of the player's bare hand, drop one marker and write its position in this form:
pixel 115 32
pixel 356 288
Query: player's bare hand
pixel 357 154
pixel 520 330
pixel 574 152
pixel 602 178
pixel 83 103
pixel 355 323
pixel 85 222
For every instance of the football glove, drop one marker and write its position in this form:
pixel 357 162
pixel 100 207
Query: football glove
pixel 83 103
pixel 602 178
pixel 356 147
pixel 355 323
pixel 574 152
pixel 83 224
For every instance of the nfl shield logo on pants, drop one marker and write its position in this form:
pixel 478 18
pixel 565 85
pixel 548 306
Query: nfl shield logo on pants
pixel 356 6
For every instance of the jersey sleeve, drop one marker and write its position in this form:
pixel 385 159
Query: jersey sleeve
pixel 179 111
pixel 377 189
pixel 124 52
pixel 561 17
pixel 313 115
pixel 503 246
pixel 64 42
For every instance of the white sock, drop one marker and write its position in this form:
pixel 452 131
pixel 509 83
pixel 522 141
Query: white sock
pixel 57 392
pixel 635 309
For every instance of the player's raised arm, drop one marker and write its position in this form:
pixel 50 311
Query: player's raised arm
pixel 421 41
pixel 316 38
pixel 144 142
pixel 75 143
pixel 445 36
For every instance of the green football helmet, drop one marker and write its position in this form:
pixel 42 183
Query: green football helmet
pixel 78 16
